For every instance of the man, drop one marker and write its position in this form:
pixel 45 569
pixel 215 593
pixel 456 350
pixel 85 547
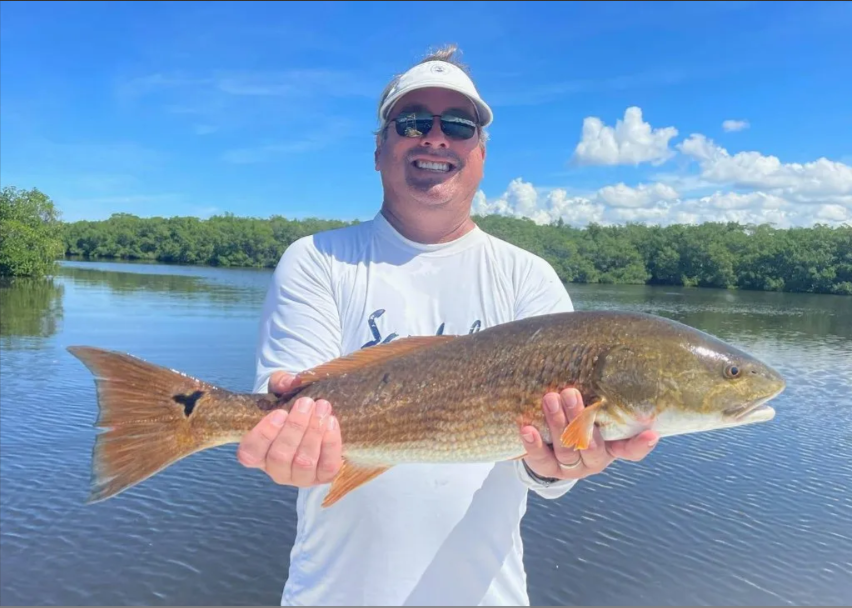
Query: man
pixel 418 534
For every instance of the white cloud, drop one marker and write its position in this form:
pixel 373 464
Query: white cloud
pixel 622 195
pixel 611 204
pixel 819 181
pixel 656 203
pixel 735 125
pixel 522 199
pixel 632 141
pixel 746 186
pixel 834 213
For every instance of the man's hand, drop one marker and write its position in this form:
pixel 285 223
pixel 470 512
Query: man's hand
pixel 566 463
pixel 302 448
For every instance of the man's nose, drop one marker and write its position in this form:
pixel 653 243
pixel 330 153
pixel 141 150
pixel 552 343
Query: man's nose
pixel 435 137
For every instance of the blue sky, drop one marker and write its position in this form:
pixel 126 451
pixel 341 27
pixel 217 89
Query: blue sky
pixel 200 108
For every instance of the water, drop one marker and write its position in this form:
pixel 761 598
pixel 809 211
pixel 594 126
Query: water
pixel 758 515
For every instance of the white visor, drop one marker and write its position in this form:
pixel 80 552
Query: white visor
pixel 436 74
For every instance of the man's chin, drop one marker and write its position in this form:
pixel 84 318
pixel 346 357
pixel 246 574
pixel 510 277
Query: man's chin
pixel 431 193
pixel 430 183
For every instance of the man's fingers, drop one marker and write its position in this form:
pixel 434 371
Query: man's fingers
pixel 635 448
pixel 539 456
pixel 573 401
pixel 255 444
pixel 279 460
pixel 330 451
pixel 560 410
pixel 304 467
pixel 596 457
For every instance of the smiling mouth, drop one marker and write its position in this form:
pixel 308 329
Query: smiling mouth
pixel 433 166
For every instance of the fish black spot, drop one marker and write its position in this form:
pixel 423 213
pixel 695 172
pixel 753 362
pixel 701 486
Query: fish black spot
pixel 188 401
pixel 386 378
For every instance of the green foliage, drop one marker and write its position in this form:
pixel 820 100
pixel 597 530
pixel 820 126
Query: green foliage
pixel 721 255
pixel 817 259
pixel 222 240
pixel 30 233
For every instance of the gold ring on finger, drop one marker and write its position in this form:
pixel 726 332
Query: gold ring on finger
pixel 573 465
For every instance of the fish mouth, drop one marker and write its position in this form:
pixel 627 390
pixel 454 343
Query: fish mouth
pixel 756 411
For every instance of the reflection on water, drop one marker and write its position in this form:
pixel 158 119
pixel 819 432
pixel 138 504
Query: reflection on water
pixel 772 316
pixel 30 309
pixel 201 285
pixel 760 514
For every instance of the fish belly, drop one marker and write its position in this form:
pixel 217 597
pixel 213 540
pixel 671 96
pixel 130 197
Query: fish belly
pixel 453 444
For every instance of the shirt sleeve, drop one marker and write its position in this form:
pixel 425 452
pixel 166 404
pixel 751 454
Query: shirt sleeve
pixel 300 320
pixel 541 292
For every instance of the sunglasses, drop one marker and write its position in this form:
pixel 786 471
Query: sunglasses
pixel 417 124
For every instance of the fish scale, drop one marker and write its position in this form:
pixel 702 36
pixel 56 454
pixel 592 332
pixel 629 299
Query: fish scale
pixel 444 399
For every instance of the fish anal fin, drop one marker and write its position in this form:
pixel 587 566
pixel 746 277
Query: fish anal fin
pixel 369 356
pixel 350 477
pixel 579 433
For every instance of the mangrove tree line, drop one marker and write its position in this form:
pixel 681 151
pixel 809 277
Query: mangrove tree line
pixel 815 259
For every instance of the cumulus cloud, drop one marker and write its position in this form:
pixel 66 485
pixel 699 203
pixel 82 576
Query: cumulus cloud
pixel 522 199
pixel 622 195
pixel 712 184
pixel 655 203
pixel 735 125
pixel 819 181
pixel 612 204
pixel 630 142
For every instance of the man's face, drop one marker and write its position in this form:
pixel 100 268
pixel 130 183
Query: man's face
pixel 407 164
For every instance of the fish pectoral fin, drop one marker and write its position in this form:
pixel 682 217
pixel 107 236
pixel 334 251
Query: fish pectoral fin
pixel 579 433
pixel 370 355
pixel 350 477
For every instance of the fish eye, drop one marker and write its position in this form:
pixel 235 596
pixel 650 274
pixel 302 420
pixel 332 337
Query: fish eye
pixel 732 371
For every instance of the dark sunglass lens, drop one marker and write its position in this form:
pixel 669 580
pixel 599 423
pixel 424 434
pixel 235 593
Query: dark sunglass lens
pixel 417 124
pixel 413 124
pixel 458 128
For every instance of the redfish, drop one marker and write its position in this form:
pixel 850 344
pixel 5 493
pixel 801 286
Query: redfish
pixel 443 399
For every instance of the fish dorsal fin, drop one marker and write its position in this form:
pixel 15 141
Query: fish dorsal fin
pixel 369 356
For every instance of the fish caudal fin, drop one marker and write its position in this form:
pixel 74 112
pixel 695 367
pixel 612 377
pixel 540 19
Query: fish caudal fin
pixel 350 477
pixel 147 413
pixel 578 434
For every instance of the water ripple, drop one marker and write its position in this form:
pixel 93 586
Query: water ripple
pixel 757 515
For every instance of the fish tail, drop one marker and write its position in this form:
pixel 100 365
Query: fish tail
pixel 147 411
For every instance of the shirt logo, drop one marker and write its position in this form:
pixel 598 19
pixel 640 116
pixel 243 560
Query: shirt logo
pixel 377 334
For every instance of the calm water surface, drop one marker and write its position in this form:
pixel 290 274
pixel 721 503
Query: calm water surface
pixel 759 515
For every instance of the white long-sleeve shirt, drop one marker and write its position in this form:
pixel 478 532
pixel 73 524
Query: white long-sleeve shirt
pixel 418 534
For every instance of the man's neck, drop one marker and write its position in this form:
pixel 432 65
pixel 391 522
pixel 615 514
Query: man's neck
pixel 430 228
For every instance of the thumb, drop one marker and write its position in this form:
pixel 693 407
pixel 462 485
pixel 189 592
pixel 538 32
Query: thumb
pixel 280 382
pixel 539 457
